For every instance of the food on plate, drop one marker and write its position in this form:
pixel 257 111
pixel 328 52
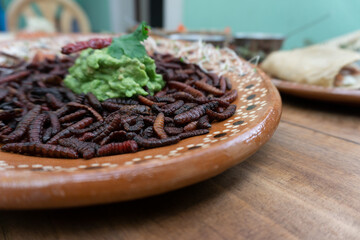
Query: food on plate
pixel 349 76
pixel 40 116
pixel 316 65
pixel 349 41
pixel 121 69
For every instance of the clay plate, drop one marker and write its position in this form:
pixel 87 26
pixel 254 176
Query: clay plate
pixel 33 182
pixel 338 95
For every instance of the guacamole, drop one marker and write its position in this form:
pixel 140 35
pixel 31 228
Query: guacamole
pixel 107 77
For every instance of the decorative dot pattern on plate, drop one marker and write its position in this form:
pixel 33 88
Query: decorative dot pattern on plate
pixel 194 147
pixel 219 135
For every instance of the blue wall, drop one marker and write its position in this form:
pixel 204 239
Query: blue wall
pixel 276 16
pixel 98 13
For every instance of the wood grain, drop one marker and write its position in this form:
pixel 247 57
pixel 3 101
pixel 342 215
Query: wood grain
pixel 329 118
pixel 303 184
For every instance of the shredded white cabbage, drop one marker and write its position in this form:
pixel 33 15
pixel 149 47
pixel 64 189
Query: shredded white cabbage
pixel 208 57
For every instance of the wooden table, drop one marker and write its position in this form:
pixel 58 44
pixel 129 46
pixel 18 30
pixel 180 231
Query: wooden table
pixel 303 184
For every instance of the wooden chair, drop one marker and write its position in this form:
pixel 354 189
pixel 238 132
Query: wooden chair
pixel 50 9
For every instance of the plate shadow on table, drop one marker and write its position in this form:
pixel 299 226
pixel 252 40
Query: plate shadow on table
pixel 328 118
pixel 320 105
pixel 142 213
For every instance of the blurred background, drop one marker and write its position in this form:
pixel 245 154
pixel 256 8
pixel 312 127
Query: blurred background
pixel 285 23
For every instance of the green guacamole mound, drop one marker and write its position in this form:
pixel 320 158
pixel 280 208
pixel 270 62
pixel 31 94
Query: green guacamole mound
pixel 107 77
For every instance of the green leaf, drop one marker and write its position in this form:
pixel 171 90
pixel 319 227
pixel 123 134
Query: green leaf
pixel 130 45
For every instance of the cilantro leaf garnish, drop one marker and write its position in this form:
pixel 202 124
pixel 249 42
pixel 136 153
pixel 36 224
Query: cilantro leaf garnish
pixel 130 44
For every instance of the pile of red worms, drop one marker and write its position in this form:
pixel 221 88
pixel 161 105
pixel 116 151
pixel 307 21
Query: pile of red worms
pixel 41 117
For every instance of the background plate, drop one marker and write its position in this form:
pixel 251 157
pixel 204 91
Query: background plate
pixel 339 95
pixel 33 182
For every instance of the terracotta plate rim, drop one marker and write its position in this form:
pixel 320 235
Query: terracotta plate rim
pixel 34 190
pixel 340 95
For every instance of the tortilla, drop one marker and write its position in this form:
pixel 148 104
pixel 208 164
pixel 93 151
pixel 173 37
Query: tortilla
pixel 315 65
pixel 350 41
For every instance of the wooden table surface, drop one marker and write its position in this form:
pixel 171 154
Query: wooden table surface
pixel 303 184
